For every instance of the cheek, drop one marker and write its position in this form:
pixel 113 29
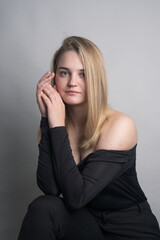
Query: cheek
pixel 60 87
pixel 58 83
pixel 84 87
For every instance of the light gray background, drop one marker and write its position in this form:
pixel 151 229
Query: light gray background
pixel 127 32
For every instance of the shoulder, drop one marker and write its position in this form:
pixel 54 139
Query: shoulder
pixel 118 133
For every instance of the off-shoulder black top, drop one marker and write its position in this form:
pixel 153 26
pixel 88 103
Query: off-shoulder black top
pixel 103 180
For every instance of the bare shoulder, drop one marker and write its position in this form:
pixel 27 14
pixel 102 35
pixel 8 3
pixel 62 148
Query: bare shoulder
pixel 118 133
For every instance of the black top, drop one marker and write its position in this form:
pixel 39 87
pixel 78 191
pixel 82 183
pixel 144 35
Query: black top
pixel 104 179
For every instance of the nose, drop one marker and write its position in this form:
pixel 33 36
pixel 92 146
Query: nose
pixel 72 82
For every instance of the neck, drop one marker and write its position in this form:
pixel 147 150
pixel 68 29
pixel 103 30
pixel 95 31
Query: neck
pixel 77 116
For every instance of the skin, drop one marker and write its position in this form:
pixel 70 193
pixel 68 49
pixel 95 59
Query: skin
pixel 119 131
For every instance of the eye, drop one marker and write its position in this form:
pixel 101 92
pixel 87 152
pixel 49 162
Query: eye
pixel 63 73
pixel 82 75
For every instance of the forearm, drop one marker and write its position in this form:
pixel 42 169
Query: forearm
pixel 78 188
pixel 45 174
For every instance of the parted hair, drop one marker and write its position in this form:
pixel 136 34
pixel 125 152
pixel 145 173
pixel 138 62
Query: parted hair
pixel 96 81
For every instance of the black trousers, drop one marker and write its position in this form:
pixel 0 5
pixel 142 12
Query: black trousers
pixel 49 219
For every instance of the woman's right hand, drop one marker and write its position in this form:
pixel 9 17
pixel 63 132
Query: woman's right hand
pixel 44 81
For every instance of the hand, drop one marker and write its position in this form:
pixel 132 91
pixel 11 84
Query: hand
pixel 55 106
pixel 46 79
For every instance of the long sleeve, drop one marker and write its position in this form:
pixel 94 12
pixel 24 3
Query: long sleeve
pixel 45 174
pixel 81 185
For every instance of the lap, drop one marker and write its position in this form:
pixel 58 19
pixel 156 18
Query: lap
pixel 71 224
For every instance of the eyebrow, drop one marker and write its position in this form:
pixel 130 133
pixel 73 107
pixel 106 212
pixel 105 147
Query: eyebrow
pixel 82 70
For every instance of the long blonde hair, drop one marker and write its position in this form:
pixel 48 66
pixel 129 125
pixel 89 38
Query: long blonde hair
pixel 96 80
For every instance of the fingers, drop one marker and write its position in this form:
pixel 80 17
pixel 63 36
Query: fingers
pixel 52 94
pixel 47 76
pixel 44 76
pixel 45 80
pixel 45 99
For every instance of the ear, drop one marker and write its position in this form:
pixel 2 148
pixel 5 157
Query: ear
pixel 55 87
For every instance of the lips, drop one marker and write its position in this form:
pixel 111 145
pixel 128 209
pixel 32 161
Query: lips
pixel 72 92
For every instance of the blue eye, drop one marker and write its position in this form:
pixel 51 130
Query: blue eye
pixel 64 73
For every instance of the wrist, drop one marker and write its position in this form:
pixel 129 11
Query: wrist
pixel 51 125
pixel 44 115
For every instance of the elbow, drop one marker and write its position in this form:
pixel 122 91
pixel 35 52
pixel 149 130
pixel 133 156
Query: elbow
pixel 72 207
pixel 75 200
pixel 48 190
pixel 74 204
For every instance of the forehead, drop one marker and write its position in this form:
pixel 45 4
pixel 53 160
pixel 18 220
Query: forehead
pixel 71 60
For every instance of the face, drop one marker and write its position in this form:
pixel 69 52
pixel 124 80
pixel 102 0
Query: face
pixel 70 79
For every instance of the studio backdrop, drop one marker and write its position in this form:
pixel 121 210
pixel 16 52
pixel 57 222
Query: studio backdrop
pixel 127 32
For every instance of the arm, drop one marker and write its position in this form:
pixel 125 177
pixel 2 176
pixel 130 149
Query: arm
pixel 101 167
pixel 45 174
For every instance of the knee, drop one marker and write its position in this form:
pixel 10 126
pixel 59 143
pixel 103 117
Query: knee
pixel 45 203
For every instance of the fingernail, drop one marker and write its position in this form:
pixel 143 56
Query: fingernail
pixel 46 83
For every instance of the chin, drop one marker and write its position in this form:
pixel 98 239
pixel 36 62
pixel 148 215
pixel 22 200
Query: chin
pixel 73 101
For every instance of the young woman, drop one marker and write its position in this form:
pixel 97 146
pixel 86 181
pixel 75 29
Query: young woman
pixel 87 155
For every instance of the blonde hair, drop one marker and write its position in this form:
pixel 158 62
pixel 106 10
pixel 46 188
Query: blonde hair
pixel 96 80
